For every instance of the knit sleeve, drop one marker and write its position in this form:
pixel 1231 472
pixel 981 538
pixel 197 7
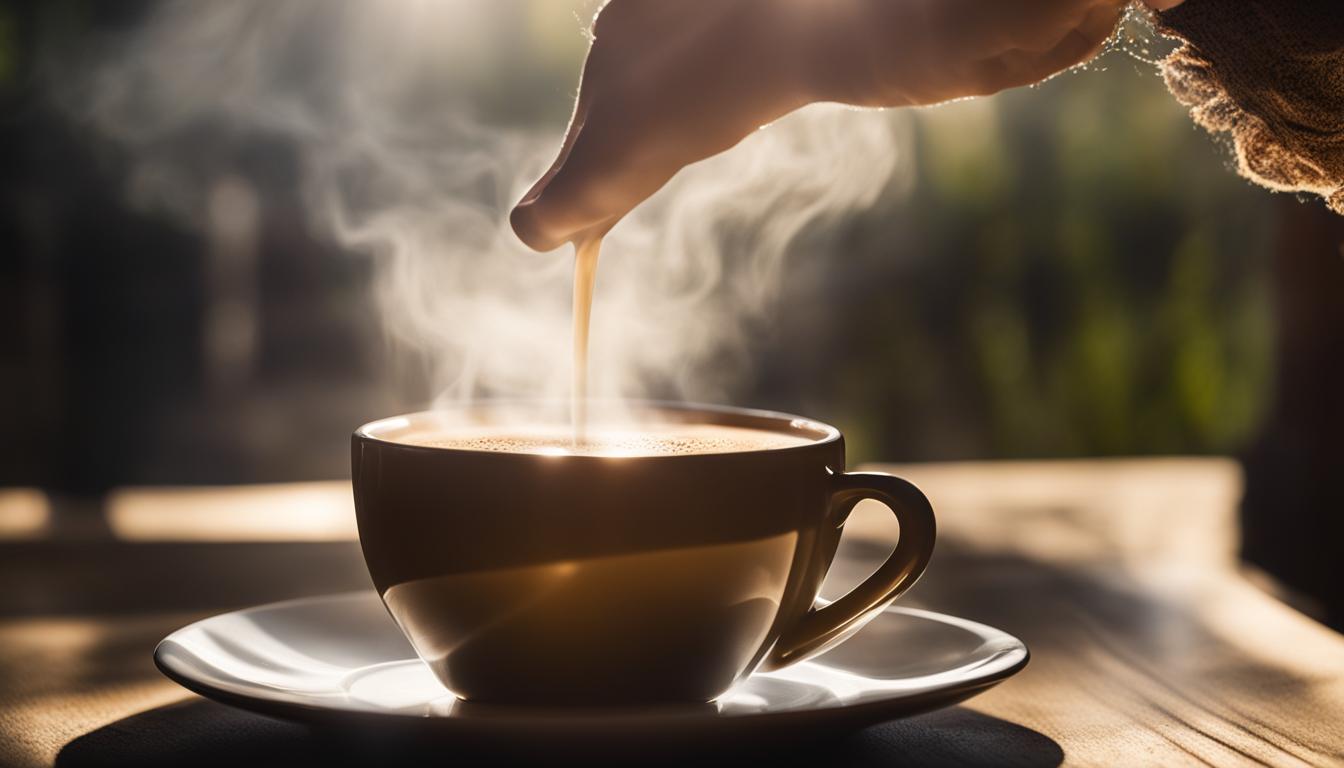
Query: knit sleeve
pixel 1270 74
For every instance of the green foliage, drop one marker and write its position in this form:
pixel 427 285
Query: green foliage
pixel 1078 272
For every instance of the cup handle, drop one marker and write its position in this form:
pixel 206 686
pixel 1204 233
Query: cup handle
pixel 820 628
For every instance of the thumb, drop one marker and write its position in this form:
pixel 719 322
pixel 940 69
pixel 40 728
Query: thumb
pixel 529 219
pixel 581 193
pixel 531 215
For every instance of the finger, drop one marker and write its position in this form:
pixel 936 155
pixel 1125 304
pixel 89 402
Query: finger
pixel 530 221
pixel 526 218
pixel 580 193
pixel 1086 40
pixel 533 219
pixel 1078 44
pixel 1162 5
pixel 566 146
pixel 1041 24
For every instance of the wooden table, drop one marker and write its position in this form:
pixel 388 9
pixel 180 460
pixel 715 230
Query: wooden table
pixel 1149 645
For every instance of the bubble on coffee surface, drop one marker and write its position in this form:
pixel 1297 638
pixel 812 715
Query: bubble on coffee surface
pixel 661 440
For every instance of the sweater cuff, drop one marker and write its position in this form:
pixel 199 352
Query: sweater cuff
pixel 1270 73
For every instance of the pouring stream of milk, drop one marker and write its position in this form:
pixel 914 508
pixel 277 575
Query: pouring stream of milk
pixel 587 248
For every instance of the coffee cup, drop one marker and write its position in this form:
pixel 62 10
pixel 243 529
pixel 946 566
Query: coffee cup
pixel 660 562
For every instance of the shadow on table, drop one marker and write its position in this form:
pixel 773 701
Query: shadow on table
pixel 203 733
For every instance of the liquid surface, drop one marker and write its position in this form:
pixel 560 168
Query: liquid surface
pixel 646 440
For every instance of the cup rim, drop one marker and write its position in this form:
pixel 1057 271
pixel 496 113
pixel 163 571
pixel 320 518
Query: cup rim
pixel 752 418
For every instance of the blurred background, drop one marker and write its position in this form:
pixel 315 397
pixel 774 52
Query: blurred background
pixel 1070 270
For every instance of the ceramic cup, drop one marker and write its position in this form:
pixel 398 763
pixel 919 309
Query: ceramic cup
pixel 573 580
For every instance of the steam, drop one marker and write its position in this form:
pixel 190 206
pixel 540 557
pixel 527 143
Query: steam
pixel 388 105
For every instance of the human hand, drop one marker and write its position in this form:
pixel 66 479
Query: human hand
pixel 667 84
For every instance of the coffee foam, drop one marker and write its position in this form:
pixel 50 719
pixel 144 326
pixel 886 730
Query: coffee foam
pixel 651 440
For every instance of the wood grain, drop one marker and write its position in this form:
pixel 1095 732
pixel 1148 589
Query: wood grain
pixel 1140 655
pixel 1149 646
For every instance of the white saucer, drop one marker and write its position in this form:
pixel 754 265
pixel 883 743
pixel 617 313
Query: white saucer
pixel 341 660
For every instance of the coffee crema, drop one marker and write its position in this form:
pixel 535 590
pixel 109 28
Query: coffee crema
pixel 644 440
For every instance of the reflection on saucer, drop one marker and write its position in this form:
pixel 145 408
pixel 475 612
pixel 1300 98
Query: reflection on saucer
pixel 342 659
